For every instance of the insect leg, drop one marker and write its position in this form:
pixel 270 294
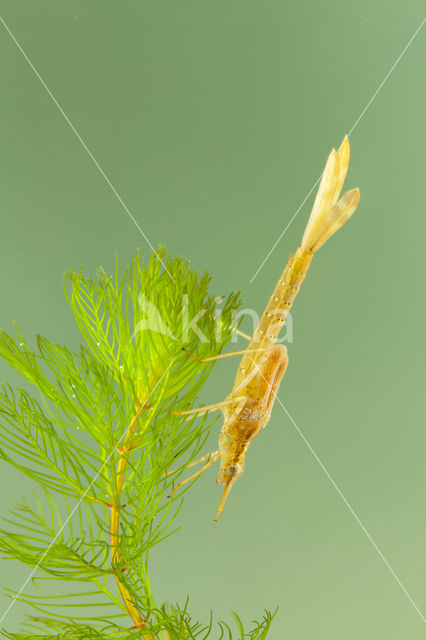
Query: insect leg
pixel 242 334
pixel 233 329
pixel 191 464
pixel 224 355
pixel 214 457
pixel 209 407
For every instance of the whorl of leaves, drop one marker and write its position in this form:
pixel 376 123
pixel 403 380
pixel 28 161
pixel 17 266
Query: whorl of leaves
pixel 64 432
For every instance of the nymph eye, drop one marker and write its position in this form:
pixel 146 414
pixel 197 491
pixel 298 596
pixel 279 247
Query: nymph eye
pixel 233 470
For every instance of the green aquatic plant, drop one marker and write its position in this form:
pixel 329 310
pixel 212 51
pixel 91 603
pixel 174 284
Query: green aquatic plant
pixel 96 431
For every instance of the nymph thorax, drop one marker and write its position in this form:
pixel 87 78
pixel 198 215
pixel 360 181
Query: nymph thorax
pixel 243 421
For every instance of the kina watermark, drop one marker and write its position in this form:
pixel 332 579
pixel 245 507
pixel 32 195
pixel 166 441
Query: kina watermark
pixel 191 322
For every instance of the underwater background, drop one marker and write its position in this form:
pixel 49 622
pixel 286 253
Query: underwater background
pixel 212 121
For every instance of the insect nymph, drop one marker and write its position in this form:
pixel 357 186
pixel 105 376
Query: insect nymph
pixel 248 407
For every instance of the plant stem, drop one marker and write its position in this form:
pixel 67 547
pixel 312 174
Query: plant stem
pixel 139 622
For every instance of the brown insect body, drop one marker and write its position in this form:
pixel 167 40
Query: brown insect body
pixel 248 407
pixel 258 377
pixel 263 366
pixel 254 392
pixel 241 426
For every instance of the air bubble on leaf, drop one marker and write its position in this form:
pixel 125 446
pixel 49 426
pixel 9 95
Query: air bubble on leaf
pixel 73 395
pixel 99 344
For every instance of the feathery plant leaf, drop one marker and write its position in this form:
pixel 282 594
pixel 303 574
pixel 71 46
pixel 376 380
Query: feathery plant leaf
pixel 98 436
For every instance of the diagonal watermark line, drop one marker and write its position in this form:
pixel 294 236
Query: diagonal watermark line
pixel 363 528
pixel 85 147
pixel 284 231
pixel 16 596
pixel 386 76
pixel 349 133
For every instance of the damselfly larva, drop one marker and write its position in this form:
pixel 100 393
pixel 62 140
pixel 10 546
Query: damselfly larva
pixel 248 407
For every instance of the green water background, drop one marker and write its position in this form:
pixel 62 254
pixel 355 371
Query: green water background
pixel 213 120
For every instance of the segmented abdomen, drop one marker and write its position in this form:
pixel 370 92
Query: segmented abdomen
pixel 276 311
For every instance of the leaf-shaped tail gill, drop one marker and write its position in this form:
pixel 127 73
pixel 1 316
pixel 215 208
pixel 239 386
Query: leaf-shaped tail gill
pixel 328 213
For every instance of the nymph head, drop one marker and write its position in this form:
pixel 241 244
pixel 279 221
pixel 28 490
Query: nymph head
pixel 233 471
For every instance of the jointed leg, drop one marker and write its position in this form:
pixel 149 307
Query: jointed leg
pixel 209 407
pixel 191 464
pixel 235 330
pixel 242 334
pixel 214 456
pixel 224 355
